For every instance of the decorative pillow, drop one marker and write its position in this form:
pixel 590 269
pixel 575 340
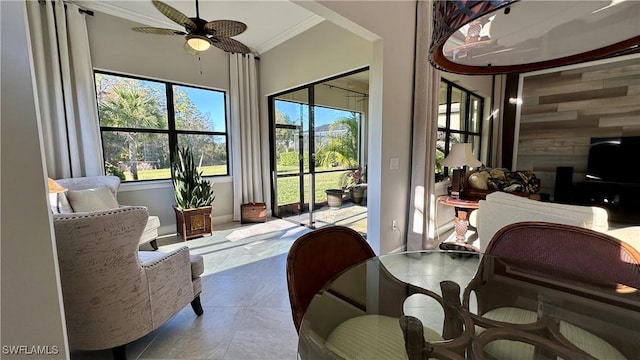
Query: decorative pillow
pixel 59 203
pixel 92 199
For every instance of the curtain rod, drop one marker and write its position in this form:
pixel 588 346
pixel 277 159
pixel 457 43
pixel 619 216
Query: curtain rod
pixel 353 91
pixel 80 10
pixel 83 11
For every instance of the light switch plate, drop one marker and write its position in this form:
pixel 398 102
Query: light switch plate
pixel 394 164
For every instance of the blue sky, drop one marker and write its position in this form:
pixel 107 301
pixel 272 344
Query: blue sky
pixel 211 102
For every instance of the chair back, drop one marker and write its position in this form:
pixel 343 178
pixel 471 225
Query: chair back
pixel 91 182
pixel 104 287
pixel 535 266
pixel 318 256
pixel 571 250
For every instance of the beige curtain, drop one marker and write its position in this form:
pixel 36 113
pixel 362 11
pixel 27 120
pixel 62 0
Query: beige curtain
pixel 425 125
pixel 245 131
pixel 66 90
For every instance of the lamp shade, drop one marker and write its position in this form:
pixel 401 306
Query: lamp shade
pixel 54 187
pixel 515 36
pixel 461 155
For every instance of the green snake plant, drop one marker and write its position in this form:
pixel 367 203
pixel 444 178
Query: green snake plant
pixel 190 189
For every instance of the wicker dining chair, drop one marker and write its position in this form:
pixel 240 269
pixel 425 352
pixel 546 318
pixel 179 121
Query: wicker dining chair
pixel 318 256
pixel 584 262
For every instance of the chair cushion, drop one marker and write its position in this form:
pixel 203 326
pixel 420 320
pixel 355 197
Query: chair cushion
pixel 152 224
pixel 149 257
pixel 95 199
pixel 372 337
pixel 586 341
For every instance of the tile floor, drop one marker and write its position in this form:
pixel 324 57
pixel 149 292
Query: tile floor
pixel 247 315
pixel 244 296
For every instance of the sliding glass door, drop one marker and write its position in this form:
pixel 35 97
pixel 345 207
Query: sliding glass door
pixel 290 157
pixel 317 145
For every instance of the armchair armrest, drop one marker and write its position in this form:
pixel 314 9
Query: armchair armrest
pixel 170 282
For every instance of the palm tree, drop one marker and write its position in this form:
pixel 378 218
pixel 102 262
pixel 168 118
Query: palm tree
pixel 343 142
pixel 130 107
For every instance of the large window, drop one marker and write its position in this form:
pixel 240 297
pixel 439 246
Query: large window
pixel 459 121
pixel 143 121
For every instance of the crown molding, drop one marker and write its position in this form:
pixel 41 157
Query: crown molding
pixel 290 33
pixel 114 10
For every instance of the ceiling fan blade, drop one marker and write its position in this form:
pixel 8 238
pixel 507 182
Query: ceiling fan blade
pixel 224 28
pixel 159 31
pixel 175 15
pixel 189 50
pixel 231 45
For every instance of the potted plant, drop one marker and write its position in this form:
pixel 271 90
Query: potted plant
pixel 356 185
pixel 334 198
pixel 194 196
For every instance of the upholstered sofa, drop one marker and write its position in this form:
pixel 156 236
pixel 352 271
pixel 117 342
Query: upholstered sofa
pixel 85 189
pixel 113 293
pixel 500 209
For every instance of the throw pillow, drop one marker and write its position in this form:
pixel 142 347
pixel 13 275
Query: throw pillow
pixel 59 203
pixel 92 199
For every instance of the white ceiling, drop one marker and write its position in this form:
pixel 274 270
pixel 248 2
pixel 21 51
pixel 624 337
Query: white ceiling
pixel 269 22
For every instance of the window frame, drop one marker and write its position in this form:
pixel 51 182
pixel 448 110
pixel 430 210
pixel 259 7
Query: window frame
pixel 171 131
pixel 464 133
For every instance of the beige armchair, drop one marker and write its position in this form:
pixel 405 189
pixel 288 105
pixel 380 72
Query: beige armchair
pixel 60 202
pixel 114 294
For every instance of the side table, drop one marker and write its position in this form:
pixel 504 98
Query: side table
pixel 462 209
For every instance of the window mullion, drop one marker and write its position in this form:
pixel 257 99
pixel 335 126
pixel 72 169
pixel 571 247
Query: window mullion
pixel 171 119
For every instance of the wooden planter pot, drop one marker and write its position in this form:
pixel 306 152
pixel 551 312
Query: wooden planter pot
pixel 193 223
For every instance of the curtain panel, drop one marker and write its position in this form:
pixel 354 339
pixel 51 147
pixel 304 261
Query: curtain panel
pixel 245 129
pixel 421 230
pixel 65 89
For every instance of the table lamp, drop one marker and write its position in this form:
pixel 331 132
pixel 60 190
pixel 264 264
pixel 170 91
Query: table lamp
pixel 460 156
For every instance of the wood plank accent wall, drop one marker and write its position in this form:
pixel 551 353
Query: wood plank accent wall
pixel 563 110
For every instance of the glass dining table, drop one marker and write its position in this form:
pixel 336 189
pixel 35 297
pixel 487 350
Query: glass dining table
pixel 459 305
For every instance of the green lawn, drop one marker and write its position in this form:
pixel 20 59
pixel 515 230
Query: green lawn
pixel 166 173
pixel 288 188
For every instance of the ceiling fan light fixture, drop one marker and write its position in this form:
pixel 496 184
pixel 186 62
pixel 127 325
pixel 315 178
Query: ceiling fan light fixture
pixel 198 42
pixel 199 33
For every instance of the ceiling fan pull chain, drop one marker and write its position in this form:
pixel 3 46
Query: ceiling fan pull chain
pixel 200 63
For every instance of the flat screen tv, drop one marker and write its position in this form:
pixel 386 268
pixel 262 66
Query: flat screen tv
pixel 614 159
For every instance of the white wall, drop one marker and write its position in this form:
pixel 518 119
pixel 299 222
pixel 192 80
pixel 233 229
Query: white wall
pixel 115 47
pixel 318 53
pixel 32 312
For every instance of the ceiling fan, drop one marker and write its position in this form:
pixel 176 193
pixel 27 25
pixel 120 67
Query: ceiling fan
pixel 200 34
